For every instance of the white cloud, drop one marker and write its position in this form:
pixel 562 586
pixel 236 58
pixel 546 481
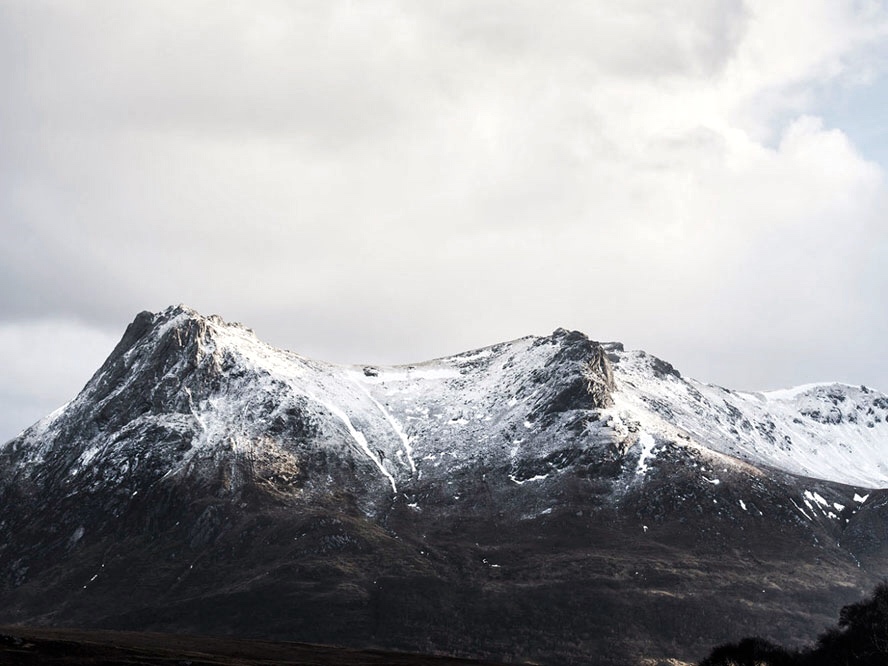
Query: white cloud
pixel 394 180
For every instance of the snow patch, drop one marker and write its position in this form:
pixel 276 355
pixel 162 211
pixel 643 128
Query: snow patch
pixel 521 482
pixel 816 497
pixel 409 374
pixel 466 358
pixel 647 443
pixel 782 395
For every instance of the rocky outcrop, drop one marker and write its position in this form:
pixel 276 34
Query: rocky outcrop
pixel 600 378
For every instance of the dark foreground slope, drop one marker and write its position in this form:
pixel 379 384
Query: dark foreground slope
pixel 860 639
pixel 20 646
pixel 498 504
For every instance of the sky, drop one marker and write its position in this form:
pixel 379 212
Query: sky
pixel 393 181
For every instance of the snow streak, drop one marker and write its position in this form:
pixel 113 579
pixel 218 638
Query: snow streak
pixel 399 430
pixel 358 436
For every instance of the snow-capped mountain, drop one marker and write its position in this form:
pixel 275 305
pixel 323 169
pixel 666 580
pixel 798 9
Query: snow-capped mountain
pixel 440 505
pixel 201 390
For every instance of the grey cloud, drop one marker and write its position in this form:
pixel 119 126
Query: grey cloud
pixel 154 67
pixel 627 39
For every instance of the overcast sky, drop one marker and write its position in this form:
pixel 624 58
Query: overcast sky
pixel 393 181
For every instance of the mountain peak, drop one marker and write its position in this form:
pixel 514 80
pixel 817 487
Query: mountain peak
pixel 159 356
pixel 174 329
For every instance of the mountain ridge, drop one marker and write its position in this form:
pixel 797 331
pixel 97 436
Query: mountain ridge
pixel 206 482
pixel 759 440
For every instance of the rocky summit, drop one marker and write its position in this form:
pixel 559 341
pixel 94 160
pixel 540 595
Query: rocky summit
pixel 550 499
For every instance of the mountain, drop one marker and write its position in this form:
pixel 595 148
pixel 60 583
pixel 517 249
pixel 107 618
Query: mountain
pixel 553 499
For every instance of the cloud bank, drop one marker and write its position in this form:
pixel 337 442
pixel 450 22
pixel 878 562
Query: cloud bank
pixel 392 181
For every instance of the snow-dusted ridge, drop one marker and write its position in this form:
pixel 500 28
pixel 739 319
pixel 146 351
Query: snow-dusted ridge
pixel 828 431
pixel 208 390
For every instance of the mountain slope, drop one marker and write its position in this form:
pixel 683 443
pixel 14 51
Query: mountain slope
pixel 548 498
pixel 834 431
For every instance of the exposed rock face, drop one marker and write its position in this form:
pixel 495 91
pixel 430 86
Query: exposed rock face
pixel 600 378
pixel 548 498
